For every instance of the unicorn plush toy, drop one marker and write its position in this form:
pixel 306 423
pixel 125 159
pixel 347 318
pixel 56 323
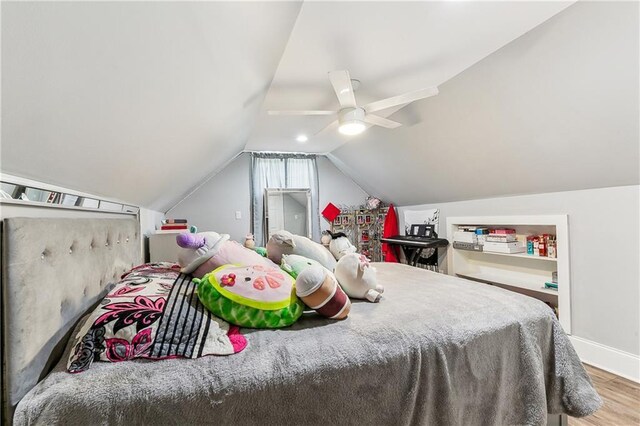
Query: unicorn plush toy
pixel 204 252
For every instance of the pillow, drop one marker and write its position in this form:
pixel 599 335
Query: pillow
pixel 149 314
pixel 251 296
pixel 284 242
pixel 294 264
pixel 319 289
pixel 216 250
pixel 358 278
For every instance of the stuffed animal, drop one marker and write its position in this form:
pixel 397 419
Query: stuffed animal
pixel 340 245
pixel 249 242
pixel 284 242
pixel 357 278
pixel 203 252
pixel 253 296
pixel 319 289
pixel 325 239
pixel 294 264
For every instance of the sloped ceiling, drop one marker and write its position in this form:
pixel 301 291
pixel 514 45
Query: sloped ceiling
pixel 555 110
pixel 137 101
pixel 391 47
pixel 142 101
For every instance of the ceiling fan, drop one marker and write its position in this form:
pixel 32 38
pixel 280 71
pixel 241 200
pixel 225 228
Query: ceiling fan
pixel 352 118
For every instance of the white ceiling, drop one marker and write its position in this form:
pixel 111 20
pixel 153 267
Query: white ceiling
pixel 137 101
pixel 141 101
pixel 391 47
pixel 556 110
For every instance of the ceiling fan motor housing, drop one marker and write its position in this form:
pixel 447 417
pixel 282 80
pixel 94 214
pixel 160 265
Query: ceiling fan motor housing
pixel 347 115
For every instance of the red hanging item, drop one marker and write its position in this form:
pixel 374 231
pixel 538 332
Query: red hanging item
pixel 330 212
pixel 390 230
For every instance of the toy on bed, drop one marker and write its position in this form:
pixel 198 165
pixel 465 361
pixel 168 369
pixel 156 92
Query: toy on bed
pixel 294 264
pixel 319 289
pixel 340 245
pixel 284 242
pixel 249 241
pixel 358 278
pixel 203 252
pixel 254 296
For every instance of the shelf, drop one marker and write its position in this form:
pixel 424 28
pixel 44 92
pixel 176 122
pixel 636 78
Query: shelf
pixel 499 279
pixel 510 270
pixel 522 255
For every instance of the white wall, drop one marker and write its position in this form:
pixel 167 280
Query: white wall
pixel 150 220
pixel 604 254
pixel 336 187
pixel 213 205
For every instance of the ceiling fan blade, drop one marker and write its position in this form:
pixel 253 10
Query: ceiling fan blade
pixel 341 82
pixel 379 121
pixel 311 112
pixel 332 125
pixel 401 99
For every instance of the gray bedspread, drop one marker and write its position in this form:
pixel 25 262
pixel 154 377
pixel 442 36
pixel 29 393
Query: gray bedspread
pixel 436 350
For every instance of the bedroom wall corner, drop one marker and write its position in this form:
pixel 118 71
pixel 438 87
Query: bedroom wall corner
pixel 604 253
pixel 213 206
pixel 150 220
pixel 336 187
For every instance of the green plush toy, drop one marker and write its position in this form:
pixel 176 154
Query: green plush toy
pixel 251 296
pixel 294 264
pixel 262 251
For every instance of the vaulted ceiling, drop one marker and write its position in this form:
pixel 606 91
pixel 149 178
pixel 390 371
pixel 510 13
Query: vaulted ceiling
pixel 390 47
pixel 141 101
pixel 137 101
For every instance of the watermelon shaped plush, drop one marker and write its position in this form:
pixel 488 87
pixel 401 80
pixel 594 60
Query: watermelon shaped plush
pixel 251 296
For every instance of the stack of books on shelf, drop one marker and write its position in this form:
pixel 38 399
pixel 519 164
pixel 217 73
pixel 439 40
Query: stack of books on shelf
pixel 174 225
pixel 469 238
pixel 503 240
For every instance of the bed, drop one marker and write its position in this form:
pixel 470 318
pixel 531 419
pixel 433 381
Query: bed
pixel 436 350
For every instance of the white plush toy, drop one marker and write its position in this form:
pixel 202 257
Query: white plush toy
pixel 358 278
pixel 340 245
pixel 284 242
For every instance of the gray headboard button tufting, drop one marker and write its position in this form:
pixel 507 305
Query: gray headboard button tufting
pixel 54 270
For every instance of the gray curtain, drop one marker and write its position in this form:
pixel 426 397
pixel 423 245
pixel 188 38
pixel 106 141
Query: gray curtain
pixel 271 170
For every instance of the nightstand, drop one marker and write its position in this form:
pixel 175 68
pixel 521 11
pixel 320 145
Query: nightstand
pixel 163 246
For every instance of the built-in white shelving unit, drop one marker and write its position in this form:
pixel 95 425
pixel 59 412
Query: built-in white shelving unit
pixel 518 272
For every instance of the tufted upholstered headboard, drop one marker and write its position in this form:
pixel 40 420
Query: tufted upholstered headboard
pixel 53 271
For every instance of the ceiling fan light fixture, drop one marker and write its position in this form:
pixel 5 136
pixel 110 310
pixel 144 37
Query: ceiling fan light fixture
pixel 351 121
pixel 352 128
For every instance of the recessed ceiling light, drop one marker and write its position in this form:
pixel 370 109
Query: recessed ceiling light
pixel 302 138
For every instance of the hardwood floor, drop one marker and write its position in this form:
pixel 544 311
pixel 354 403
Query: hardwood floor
pixel 621 401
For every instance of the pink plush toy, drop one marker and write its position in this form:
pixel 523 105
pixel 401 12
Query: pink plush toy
pixel 204 252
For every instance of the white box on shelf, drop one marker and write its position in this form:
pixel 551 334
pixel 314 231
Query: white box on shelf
pixel 465 237
pixel 512 247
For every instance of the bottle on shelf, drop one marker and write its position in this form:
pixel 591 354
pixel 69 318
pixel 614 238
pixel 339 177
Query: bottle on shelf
pixel 542 246
pixel 552 247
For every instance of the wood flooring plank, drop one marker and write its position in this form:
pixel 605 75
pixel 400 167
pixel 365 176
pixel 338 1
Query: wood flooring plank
pixel 596 372
pixel 621 401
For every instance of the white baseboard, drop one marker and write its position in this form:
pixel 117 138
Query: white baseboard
pixel 607 358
